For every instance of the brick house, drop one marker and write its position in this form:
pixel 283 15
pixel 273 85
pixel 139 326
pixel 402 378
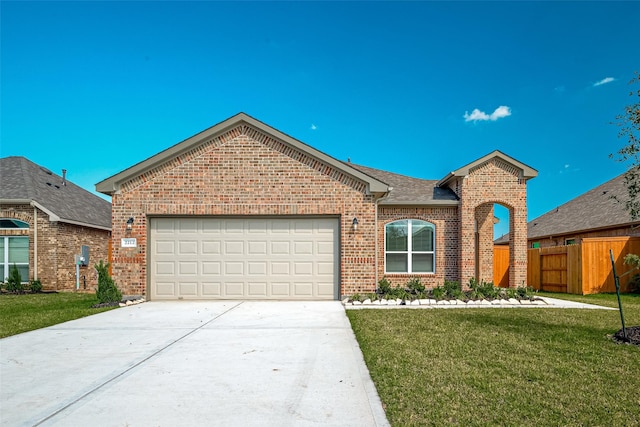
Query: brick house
pixel 45 221
pixel 242 210
pixel 600 212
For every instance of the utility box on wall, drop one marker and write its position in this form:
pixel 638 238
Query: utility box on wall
pixel 85 256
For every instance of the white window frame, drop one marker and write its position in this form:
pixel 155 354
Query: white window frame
pixel 409 252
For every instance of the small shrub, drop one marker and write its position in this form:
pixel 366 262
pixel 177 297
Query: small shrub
pixel 107 291
pixel 438 292
pixel 372 296
pixel 452 288
pixel 457 294
pixel 510 293
pixel 384 286
pixel 14 281
pixel 415 286
pixel 525 292
pixel 36 286
pixel 488 290
pixel 475 294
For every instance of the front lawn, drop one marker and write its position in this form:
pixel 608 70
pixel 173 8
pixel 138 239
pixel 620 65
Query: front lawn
pixel 533 366
pixel 22 313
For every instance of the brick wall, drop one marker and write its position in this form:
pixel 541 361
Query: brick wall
pixel 56 246
pixel 446 221
pixel 244 172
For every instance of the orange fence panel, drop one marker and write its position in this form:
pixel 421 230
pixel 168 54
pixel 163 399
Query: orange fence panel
pixel 501 266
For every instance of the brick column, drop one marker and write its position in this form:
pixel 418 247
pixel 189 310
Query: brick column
pixel 484 219
pixel 518 246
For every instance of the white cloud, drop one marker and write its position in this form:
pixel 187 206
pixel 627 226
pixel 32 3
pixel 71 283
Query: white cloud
pixel 477 115
pixel 313 127
pixel 604 81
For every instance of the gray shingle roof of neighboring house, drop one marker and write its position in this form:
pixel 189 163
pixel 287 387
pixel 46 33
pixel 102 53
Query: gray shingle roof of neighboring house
pixel 411 191
pixel 23 181
pixel 594 210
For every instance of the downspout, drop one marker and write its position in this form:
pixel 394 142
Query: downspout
pixel 35 243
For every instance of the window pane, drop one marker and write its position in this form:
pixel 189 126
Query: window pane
pixel 3 276
pixel 396 263
pixel 24 272
pixel 19 250
pixel 421 236
pixel 422 263
pixel 396 236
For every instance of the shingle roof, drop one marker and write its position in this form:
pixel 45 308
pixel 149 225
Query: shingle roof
pixel 410 191
pixel 595 209
pixel 24 181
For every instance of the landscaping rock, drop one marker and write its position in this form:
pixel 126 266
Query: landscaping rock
pixel 513 301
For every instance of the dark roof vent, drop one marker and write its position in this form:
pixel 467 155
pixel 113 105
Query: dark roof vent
pixel 45 170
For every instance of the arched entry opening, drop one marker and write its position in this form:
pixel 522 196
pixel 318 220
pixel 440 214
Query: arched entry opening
pixel 492 221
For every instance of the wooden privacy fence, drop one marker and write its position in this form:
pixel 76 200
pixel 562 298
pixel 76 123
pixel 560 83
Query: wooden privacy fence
pixel 584 268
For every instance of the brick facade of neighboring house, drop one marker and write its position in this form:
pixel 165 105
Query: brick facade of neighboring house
pixel 600 212
pixel 67 218
pixel 235 186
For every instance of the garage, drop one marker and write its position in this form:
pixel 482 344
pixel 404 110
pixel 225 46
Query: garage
pixel 292 258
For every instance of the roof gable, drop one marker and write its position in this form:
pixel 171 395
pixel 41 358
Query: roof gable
pixel 26 182
pixel 524 171
pixel 234 126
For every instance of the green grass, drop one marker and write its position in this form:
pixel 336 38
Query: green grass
pixel 508 367
pixel 22 313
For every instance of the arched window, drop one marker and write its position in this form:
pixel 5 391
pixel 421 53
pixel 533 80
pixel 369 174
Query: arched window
pixel 409 246
pixel 12 223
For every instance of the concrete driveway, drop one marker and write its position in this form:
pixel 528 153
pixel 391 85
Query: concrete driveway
pixel 223 363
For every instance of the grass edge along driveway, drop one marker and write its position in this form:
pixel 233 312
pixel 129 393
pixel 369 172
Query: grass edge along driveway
pixel 23 313
pixel 503 366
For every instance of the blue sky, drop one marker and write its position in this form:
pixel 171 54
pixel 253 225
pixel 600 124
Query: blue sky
pixel 416 88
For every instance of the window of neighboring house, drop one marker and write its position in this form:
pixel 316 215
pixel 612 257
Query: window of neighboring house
pixel 14 250
pixel 409 246
pixel 570 242
pixel 12 223
pixel 535 245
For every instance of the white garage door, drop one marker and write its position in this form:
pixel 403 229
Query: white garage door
pixel 239 258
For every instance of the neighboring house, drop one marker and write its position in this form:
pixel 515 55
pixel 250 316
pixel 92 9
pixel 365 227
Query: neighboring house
pixel 45 220
pixel 242 211
pixel 599 212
